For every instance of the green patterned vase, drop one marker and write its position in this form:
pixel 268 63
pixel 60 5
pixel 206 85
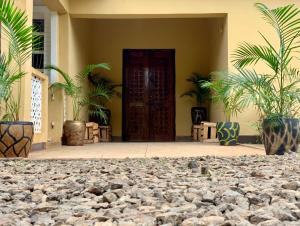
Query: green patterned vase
pixel 228 133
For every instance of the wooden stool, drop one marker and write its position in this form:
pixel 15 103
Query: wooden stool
pixel 206 132
pixel 105 133
pixel 91 133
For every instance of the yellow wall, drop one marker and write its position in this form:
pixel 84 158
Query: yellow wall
pixel 218 59
pixel 79 56
pixel 191 39
pixel 25 109
pixel 73 56
pixel 107 38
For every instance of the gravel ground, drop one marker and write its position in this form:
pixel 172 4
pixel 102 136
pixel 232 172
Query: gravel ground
pixel 252 190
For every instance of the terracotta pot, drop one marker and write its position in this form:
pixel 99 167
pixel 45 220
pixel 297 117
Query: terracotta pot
pixel 15 139
pixel 228 133
pixel 281 137
pixel 73 133
pixel 199 114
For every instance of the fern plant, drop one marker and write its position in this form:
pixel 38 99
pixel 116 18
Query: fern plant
pixel 73 88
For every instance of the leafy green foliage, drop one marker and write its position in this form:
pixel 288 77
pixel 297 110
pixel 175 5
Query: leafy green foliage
pixel 98 80
pixel 201 93
pixel 276 94
pixel 221 91
pixel 97 100
pixel 74 89
pixel 21 38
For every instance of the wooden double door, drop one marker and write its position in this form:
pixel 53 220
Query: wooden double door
pixel 149 95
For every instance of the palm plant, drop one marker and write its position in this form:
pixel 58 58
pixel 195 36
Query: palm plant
pixel 99 82
pixel 276 95
pixel 74 89
pixel 227 132
pixel 201 93
pixel 221 91
pixel 21 39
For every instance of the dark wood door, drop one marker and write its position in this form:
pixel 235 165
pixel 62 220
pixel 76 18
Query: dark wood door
pixel 148 95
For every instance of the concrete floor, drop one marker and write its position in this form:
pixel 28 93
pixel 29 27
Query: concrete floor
pixel 145 150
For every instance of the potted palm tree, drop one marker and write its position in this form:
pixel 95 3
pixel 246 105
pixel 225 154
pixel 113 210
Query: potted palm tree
pixel 74 130
pixel 15 135
pixel 201 93
pixel 227 131
pixel 276 94
pixel 98 80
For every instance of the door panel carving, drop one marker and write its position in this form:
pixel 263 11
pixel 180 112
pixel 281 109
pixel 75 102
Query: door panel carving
pixel 149 106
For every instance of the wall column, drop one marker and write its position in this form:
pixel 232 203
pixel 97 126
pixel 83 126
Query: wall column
pixel 58 110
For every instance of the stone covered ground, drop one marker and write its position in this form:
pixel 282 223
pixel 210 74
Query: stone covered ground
pixel 255 190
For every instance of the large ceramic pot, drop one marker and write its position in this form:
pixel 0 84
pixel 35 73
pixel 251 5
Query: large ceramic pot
pixel 73 133
pixel 99 120
pixel 199 114
pixel 280 137
pixel 228 133
pixel 15 139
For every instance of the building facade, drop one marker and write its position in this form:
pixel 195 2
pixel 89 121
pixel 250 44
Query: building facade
pixel 201 34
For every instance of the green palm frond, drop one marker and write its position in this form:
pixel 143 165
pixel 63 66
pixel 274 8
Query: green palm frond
pixel 285 20
pixel 275 94
pixel 200 92
pixel 250 87
pixel 248 54
pixel 69 85
pixel 222 91
pixel 65 76
pixel 101 92
pixel 98 113
pixel 73 88
pixel 90 68
pixel 21 37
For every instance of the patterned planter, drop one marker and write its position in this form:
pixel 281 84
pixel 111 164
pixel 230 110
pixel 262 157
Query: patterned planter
pixel 228 133
pixel 15 139
pixel 73 133
pixel 281 137
pixel 199 114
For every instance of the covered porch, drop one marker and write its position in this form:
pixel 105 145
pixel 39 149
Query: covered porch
pixel 119 150
pixel 199 45
pixel 199 38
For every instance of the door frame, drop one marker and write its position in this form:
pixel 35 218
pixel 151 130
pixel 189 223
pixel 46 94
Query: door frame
pixel 124 62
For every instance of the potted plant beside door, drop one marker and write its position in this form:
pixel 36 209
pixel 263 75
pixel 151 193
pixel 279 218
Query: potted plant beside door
pixel 222 92
pixel 15 135
pixel 202 94
pixel 98 80
pixel 74 130
pixel 275 94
